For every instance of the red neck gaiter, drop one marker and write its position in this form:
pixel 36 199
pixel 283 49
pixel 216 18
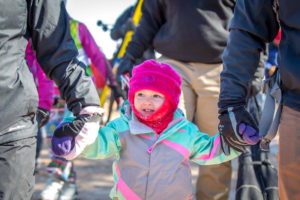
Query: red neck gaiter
pixel 159 120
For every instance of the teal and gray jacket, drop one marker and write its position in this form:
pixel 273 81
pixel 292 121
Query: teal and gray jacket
pixel 150 166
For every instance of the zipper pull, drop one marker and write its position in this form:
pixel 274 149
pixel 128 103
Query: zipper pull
pixel 150 149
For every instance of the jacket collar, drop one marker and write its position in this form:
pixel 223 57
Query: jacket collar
pixel 136 127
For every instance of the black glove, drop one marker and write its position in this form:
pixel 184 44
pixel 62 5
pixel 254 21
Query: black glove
pixel 43 116
pixel 125 65
pixel 73 129
pixel 117 93
pixel 128 26
pixel 234 129
pixel 55 102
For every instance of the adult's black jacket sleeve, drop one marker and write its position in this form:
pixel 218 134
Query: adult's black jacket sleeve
pixel 119 30
pixel 253 25
pixel 48 25
pixel 151 21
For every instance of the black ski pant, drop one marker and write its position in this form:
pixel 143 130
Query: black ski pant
pixel 17 162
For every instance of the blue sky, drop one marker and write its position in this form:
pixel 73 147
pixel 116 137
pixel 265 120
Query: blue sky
pixel 90 11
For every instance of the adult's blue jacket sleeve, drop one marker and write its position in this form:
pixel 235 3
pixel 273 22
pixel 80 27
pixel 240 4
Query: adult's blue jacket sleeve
pixel 254 24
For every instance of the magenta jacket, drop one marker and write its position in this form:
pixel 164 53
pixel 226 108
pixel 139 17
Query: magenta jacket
pixel 93 52
pixel 45 86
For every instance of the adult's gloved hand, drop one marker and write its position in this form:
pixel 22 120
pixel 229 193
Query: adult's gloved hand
pixel 55 102
pixel 125 65
pixel 70 138
pixel 117 93
pixel 128 26
pixel 237 129
pixel 43 116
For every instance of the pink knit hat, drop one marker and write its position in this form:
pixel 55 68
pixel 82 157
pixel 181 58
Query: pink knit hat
pixel 159 77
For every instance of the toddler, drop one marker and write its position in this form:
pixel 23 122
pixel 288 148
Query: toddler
pixel 152 140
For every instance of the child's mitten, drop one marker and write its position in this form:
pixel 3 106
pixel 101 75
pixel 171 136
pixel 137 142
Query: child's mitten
pixel 249 134
pixel 62 145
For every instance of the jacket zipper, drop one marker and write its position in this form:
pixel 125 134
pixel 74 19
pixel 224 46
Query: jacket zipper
pixel 149 152
pixel 152 146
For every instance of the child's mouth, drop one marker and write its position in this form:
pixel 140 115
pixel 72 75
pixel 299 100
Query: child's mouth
pixel 147 111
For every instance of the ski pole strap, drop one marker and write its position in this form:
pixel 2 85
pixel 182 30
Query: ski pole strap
pixel 270 116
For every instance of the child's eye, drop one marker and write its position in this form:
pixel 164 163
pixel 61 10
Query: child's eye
pixel 157 96
pixel 140 94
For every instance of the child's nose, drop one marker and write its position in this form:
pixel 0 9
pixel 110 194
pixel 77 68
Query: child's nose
pixel 148 101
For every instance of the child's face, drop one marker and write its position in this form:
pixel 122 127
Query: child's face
pixel 147 102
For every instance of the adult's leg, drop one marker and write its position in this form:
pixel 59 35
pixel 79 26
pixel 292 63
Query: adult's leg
pixel 213 181
pixel 17 162
pixel 289 154
pixel 188 96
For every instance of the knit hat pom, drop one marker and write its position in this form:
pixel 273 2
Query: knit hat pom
pixel 159 77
